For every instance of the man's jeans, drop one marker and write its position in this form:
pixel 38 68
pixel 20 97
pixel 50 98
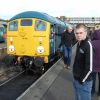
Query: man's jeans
pixel 67 55
pixel 82 91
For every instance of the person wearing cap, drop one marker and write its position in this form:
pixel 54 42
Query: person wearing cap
pixel 66 44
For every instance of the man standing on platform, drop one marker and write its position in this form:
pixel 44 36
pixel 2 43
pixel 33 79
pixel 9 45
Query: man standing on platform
pixel 82 66
pixel 66 44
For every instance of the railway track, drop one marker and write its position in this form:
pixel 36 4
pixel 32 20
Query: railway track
pixel 12 88
pixel 15 86
pixel 3 83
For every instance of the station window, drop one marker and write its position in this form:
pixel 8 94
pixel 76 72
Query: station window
pixel 26 22
pixel 13 26
pixel 40 25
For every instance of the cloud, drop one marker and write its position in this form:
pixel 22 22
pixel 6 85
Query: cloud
pixel 70 8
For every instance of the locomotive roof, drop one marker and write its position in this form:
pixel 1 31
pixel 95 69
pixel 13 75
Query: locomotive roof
pixel 39 15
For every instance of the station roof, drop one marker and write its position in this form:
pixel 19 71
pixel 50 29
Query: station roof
pixel 39 15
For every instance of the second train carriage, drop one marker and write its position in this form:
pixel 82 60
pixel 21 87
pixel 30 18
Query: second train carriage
pixel 34 37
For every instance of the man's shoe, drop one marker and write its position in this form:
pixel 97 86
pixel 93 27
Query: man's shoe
pixel 68 67
pixel 65 66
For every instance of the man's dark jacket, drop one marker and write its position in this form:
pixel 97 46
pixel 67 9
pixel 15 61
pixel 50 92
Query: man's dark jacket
pixel 67 39
pixel 83 62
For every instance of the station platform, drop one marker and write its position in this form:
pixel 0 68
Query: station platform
pixel 62 87
pixel 55 84
pixel 53 88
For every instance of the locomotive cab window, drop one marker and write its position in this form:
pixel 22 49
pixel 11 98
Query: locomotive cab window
pixel 13 26
pixel 26 22
pixel 40 25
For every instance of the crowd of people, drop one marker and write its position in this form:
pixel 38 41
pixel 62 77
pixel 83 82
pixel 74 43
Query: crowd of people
pixel 86 65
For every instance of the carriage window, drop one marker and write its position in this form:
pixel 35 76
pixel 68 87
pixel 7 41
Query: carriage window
pixel 26 22
pixel 40 25
pixel 13 26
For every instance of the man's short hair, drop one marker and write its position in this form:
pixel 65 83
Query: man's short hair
pixel 81 26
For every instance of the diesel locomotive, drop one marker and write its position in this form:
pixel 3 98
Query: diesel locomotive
pixel 33 38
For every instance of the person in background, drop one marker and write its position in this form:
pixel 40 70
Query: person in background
pixel 82 66
pixel 96 59
pixel 66 44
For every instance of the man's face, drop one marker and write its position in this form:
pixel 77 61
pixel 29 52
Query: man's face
pixel 69 30
pixel 80 34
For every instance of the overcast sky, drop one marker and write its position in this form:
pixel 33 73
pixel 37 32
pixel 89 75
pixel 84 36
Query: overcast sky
pixel 68 8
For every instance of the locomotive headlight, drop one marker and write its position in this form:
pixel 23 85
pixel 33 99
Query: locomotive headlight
pixel 40 49
pixel 11 48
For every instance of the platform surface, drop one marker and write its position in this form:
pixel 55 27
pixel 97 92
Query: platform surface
pixel 62 87
pixel 56 84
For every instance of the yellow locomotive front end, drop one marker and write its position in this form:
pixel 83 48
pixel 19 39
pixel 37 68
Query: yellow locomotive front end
pixel 28 37
pixel 33 39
